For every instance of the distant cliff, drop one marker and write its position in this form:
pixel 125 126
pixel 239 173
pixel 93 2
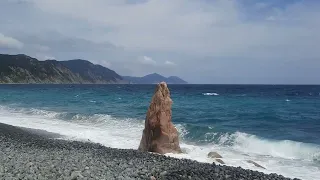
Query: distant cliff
pixel 24 69
pixel 154 78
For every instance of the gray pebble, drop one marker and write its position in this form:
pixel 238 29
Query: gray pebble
pixel 75 175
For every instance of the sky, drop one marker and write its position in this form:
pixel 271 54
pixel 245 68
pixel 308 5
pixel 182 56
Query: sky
pixel 201 41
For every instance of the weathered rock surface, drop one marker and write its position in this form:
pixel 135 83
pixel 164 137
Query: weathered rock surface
pixel 214 155
pixel 159 134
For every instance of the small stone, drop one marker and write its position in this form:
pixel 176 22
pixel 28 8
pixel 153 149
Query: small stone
pixel 214 155
pixel 29 164
pixel 86 168
pixel 152 178
pixel 29 177
pixel 75 175
pixel 163 173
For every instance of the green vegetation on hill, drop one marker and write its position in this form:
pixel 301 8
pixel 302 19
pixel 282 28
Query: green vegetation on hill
pixel 24 69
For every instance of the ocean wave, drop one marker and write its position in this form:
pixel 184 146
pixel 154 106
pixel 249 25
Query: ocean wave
pixel 250 144
pixel 286 149
pixel 210 94
pixel 72 117
pixel 99 128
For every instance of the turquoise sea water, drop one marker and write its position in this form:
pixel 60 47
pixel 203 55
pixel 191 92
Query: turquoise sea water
pixel 278 126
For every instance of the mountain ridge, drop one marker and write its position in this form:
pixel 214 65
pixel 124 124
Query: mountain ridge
pixel 24 69
pixel 154 78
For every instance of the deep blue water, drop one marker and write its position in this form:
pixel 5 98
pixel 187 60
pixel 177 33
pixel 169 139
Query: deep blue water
pixel 273 112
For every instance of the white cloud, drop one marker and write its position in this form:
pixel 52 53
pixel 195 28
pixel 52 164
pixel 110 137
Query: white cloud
pixel 9 42
pixel 147 60
pixel 169 63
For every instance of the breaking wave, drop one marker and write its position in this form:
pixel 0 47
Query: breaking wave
pixel 210 94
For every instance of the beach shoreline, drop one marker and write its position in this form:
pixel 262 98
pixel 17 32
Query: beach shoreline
pixel 36 154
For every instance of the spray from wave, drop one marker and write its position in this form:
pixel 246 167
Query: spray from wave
pixel 286 149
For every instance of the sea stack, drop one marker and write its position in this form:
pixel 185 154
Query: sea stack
pixel 159 134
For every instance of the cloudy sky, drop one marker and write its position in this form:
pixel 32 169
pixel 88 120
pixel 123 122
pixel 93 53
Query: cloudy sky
pixel 202 41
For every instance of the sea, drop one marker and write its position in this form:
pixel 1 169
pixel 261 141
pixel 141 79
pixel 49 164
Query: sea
pixel 276 126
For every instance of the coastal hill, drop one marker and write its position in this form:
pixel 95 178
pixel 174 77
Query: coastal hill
pixel 24 69
pixel 154 79
pixel 21 68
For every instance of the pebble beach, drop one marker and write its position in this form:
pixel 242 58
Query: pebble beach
pixel 35 154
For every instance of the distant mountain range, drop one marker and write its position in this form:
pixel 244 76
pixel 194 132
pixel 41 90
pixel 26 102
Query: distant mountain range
pixel 25 69
pixel 153 79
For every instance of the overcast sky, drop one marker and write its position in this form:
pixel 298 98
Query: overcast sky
pixel 202 41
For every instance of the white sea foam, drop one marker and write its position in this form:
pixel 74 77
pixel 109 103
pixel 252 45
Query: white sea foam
pixel 210 94
pixel 289 158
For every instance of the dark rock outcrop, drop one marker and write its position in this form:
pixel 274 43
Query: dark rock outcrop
pixel 159 134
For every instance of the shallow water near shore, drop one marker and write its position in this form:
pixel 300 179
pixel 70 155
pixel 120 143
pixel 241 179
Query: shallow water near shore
pixel 276 126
